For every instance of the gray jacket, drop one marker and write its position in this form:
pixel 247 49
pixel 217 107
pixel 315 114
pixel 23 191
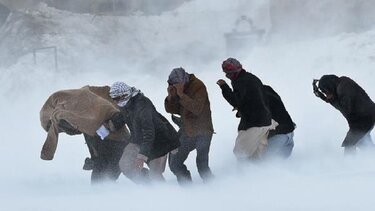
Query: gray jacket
pixel 148 128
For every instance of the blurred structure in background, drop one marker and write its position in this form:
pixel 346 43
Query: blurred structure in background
pixel 243 37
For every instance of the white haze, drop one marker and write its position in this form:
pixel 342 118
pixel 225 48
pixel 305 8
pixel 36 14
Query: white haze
pixel 316 177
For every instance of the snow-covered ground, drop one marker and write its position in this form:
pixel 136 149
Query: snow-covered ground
pixel 316 177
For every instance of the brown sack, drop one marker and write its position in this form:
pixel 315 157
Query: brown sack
pixel 81 108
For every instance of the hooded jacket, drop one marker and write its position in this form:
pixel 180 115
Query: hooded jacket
pixel 82 110
pixel 149 129
pixel 249 99
pixel 193 107
pixel 279 113
pixel 354 104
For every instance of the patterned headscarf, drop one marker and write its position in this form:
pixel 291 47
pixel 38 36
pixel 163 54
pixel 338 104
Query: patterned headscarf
pixel 121 89
pixel 178 75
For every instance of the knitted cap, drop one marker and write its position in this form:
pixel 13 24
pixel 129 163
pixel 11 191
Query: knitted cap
pixel 178 75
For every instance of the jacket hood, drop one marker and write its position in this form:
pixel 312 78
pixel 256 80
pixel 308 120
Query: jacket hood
pixel 328 83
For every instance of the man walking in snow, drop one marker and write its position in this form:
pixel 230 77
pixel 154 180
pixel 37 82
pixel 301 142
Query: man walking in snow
pixel 152 136
pixel 248 98
pixel 280 140
pixel 355 105
pixel 188 97
pixel 89 111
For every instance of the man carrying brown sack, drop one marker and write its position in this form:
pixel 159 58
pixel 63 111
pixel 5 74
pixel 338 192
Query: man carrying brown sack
pixel 88 111
pixel 152 136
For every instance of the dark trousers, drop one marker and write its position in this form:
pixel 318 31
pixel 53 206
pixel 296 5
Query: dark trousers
pixel 105 155
pixel 176 161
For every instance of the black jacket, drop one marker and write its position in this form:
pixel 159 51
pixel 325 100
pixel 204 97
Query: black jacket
pixel 279 113
pixel 148 128
pixel 249 99
pixel 354 104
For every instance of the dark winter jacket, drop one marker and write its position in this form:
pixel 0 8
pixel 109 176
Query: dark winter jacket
pixel 279 113
pixel 353 102
pixel 148 128
pixel 194 108
pixel 249 99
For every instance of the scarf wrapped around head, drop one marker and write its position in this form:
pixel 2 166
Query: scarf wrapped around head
pixel 178 75
pixel 231 65
pixel 122 90
pixel 232 68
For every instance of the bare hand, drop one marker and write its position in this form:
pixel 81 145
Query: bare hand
pixel 221 82
pixel 179 89
pixel 171 91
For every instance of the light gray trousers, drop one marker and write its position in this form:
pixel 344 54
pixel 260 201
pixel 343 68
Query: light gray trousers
pixel 137 175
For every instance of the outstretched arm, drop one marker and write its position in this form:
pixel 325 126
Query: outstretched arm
pixel 236 97
pixel 227 92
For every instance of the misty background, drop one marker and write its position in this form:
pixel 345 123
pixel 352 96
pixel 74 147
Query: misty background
pixel 51 45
